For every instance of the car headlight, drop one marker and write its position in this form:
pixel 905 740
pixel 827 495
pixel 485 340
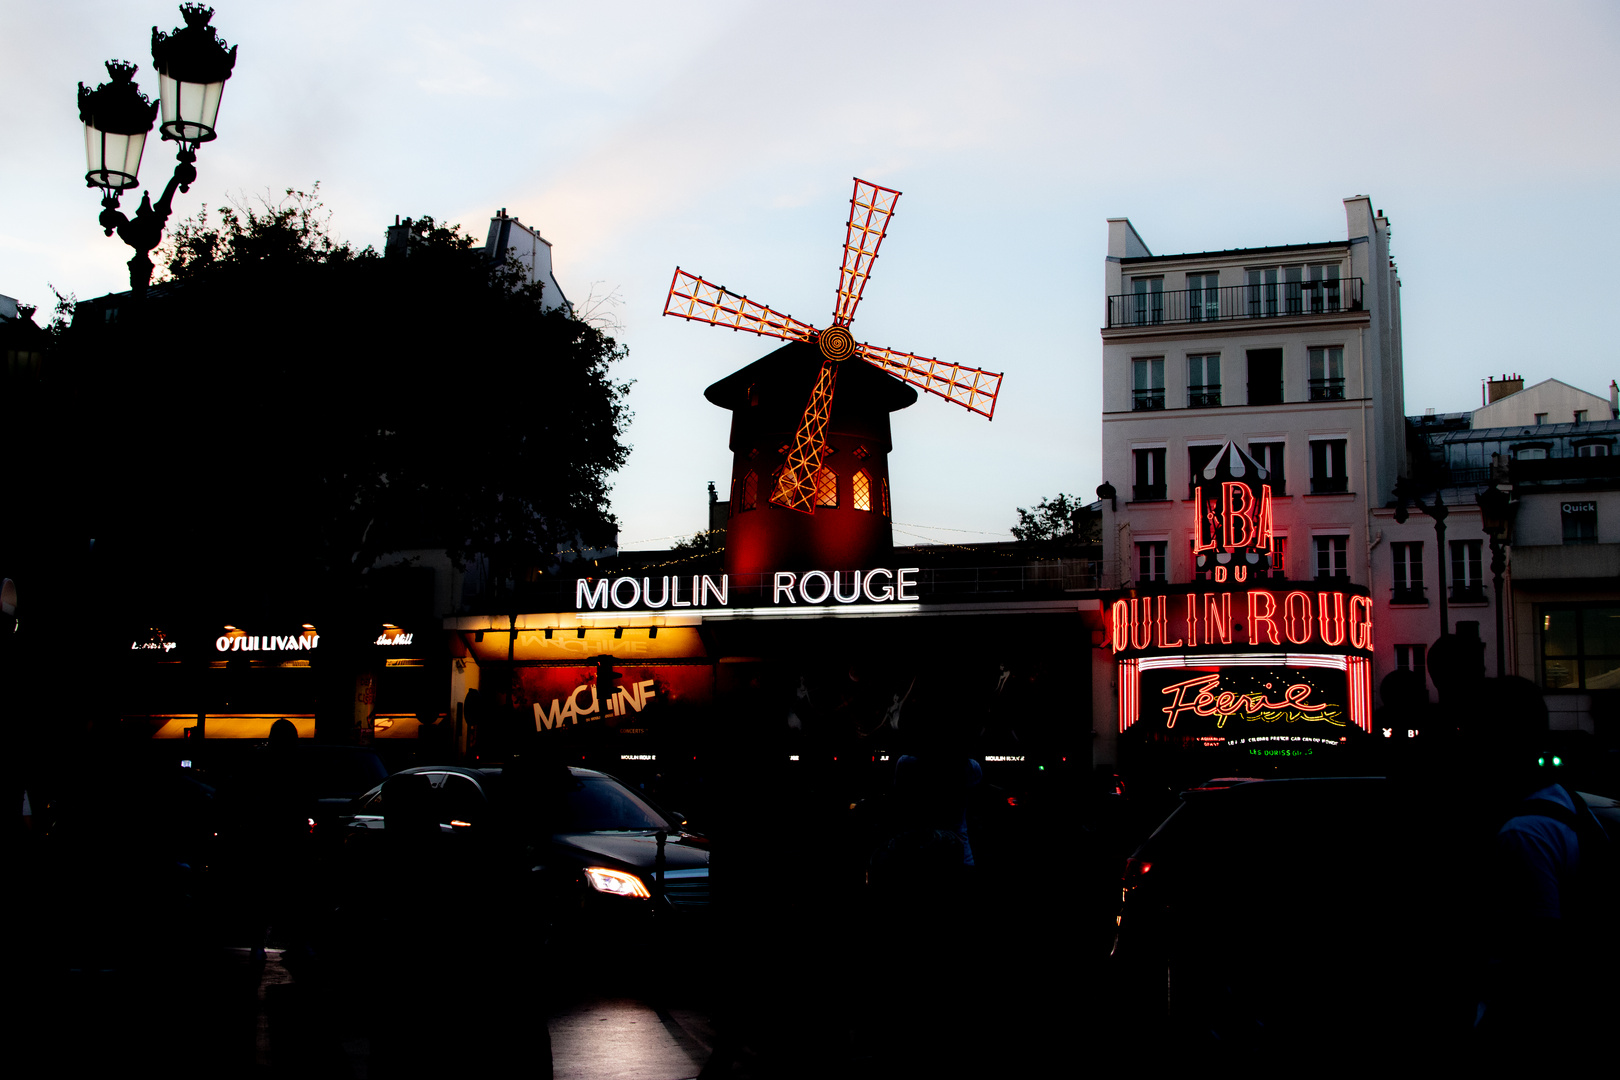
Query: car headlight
pixel 615 882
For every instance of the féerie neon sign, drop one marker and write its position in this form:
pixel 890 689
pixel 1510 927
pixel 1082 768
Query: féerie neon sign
pixel 1200 696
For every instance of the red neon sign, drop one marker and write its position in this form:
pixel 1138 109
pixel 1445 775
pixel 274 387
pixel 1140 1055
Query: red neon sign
pixel 1331 619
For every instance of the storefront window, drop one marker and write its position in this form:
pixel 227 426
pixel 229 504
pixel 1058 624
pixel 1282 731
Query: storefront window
pixel 1580 647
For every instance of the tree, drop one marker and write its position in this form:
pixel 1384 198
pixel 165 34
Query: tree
pixel 325 405
pixel 1051 522
pixel 283 408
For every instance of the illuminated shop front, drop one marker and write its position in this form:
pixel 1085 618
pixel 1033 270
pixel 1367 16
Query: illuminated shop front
pixel 232 681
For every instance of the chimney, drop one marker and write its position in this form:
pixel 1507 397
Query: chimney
pixel 1497 389
pixel 1614 400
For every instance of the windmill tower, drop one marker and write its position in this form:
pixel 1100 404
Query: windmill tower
pixel 810 435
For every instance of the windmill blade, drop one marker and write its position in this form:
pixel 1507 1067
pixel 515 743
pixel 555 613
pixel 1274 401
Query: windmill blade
pixel 690 297
pixel 870 209
pixel 796 484
pixel 970 388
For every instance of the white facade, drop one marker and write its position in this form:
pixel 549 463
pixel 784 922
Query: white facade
pixel 1548 402
pixel 1307 376
pixel 510 238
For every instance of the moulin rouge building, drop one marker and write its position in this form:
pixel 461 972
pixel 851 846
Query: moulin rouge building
pixel 1253 416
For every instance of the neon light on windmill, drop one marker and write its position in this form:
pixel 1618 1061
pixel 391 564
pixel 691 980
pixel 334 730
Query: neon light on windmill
pixel 1232 512
pixel 871 207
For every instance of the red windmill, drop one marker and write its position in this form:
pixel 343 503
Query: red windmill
pixel 870 209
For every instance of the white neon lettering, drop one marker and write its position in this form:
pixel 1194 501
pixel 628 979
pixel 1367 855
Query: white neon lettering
pixel 826 590
pixel 635 593
pixel 222 643
pixel 587 597
pixel 783 586
pixel 720 592
pixel 888 590
pixel 854 592
pixel 675 594
pixel 902 584
pixel 646 593
pixel 697 596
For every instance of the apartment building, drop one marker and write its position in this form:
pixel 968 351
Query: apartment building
pixel 1291 353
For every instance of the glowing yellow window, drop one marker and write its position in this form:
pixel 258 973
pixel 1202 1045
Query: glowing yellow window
pixel 826 488
pixel 860 491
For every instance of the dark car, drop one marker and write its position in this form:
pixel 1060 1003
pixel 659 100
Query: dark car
pixel 579 848
pixel 1271 912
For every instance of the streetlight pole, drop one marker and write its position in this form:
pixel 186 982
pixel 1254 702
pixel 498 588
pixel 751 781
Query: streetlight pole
pixel 192 65
pixel 1439 512
pixel 1495 512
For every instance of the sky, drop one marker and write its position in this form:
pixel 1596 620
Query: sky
pixel 723 137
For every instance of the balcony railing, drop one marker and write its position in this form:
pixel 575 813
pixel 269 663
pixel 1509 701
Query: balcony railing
pixel 1276 300
pixel 1203 397
pixel 1468 594
pixel 1409 594
pixel 1329 485
pixel 1327 389
pixel 1146 400
pixel 1149 492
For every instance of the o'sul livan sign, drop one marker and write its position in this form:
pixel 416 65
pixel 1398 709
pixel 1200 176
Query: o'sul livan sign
pixel 1232 533
pixel 1280 671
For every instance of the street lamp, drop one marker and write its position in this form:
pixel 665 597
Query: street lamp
pixel 1404 492
pixel 192 65
pixel 1496 515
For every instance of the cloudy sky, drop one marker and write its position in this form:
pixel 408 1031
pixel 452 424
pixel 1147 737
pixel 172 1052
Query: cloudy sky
pixel 722 136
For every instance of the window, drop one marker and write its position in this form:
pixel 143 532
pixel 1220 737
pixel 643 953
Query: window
pixel 1413 658
pixel 1204 381
pixel 1592 450
pixel 1408 573
pixel 750 491
pixel 1580 521
pixel 1151 557
pixel 1265 376
pixel 1262 291
pixel 1327 467
pixel 826 488
pixel 1580 647
pixel 1467 564
pixel 1149 297
pixel 1207 573
pixel 1149 486
pixel 1197 458
pixel 1332 557
pixel 1269 456
pixel 1322 287
pixel 1279 558
pixel 1541 418
pixel 1327 374
pixel 1203 297
pixel 1147 384
pixel 1580 416
pixel 1530 453
pixel 860 491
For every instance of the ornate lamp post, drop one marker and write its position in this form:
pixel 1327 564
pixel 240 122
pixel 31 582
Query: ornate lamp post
pixel 1496 515
pixel 192 65
pixel 1439 512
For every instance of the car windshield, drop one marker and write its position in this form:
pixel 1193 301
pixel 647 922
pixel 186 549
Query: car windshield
pixel 597 804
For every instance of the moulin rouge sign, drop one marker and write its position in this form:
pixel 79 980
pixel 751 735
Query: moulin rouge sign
pixel 811 588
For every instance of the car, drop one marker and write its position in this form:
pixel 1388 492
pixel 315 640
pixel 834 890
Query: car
pixel 1268 913
pixel 579 848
